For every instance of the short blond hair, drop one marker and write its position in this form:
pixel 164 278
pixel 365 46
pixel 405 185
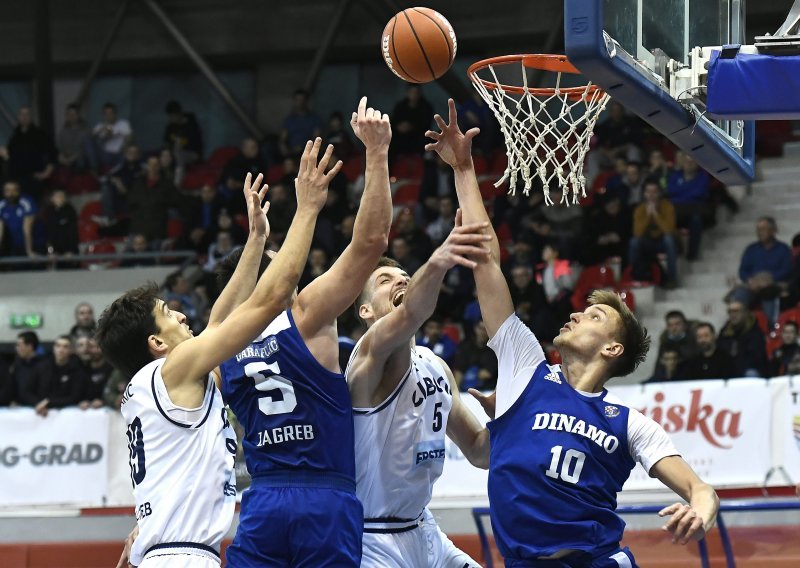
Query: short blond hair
pixel 631 334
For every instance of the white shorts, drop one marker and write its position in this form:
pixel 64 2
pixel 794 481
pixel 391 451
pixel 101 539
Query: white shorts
pixel 423 547
pixel 179 558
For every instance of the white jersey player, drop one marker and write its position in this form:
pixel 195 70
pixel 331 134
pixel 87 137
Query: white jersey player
pixel 405 401
pixel 180 442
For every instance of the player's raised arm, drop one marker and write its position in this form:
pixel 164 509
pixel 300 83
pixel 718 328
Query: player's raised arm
pixel 198 356
pixel 324 299
pixel 465 245
pixel 455 148
pixel 244 278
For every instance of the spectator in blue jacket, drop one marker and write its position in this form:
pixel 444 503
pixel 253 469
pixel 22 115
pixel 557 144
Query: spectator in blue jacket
pixel 433 338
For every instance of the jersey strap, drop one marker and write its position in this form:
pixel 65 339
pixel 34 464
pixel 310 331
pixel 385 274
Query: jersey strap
pixel 392 525
pixel 305 478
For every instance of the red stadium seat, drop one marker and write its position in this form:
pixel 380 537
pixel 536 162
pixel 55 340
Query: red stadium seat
pixel 791 314
pixel 353 167
pixel 82 183
pixel 774 339
pixel 275 173
pixel 222 155
pixel 761 319
pixel 489 191
pixel 627 280
pixel 174 228
pixel 88 231
pixel 407 167
pixel 406 194
pixel 91 209
pixel 197 176
pixel 481 164
pixel 452 331
pixel 103 246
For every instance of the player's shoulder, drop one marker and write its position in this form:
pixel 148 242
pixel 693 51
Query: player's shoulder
pixel 145 375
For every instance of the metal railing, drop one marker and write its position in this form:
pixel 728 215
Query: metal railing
pixel 52 262
pixel 730 560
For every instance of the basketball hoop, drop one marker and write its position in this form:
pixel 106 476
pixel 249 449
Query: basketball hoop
pixel 546 130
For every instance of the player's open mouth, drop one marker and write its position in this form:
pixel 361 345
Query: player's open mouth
pixel 398 298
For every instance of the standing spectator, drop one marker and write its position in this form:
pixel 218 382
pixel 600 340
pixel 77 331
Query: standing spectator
pixel 150 198
pixel 608 229
pixel 688 190
pixel 98 372
pixel 247 161
pixel 765 270
pixel 84 321
pixel 411 118
pixel 783 355
pixel 744 341
pixel 668 368
pixel 182 135
pixel 444 223
pixel 7 388
pixel 301 125
pixel 23 367
pixel 678 337
pixel 60 225
pixel 112 135
pixel 73 141
pixel 658 169
pixel 433 338
pixel 710 361
pixel 627 186
pixel 60 379
pixel 31 155
pixel 17 214
pixel 475 363
pixel 654 231
pixel 115 186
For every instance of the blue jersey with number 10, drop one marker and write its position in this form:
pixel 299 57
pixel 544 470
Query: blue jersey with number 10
pixel 296 414
pixel 558 459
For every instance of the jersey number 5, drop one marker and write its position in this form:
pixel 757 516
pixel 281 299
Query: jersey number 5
pixel 278 391
pixel 573 460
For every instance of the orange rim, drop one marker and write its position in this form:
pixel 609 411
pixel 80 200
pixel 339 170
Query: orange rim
pixel 545 62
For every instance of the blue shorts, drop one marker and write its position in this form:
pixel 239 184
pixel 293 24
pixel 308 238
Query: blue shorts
pixel 303 527
pixel 619 558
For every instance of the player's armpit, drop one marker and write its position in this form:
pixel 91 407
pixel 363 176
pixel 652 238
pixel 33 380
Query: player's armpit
pixel 675 473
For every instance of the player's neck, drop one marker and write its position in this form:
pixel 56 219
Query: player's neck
pixel 585 376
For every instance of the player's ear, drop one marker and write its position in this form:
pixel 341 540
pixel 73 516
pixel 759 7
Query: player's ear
pixel 613 350
pixel 365 312
pixel 158 348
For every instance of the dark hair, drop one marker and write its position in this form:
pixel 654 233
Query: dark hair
pixel 171 280
pixel 362 297
pixel 632 335
pixel 124 327
pixel 650 180
pixel 675 314
pixel 707 324
pixel 771 220
pixel 227 266
pixel 65 337
pixel 173 107
pixel 29 338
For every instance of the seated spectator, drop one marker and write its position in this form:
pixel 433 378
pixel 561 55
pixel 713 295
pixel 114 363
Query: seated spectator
pixel 765 270
pixel 247 161
pixel 337 135
pixel 783 355
pixel 8 390
pixel 401 252
pixel 98 372
pixel 688 190
pixel 74 141
pixel 668 368
pixel 416 239
pixel 456 291
pixel 17 215
pixel 299 126
pixel 658 169
pixel 475 363
pixel 60 378
pixel 281 210
pixel 411 118
pixel 475 113
pixel 710 362
pixel 114 186
pixel 608 229
pixel 85 323
pixel 31 155
pixel 218 250
pixel 557 278
pixel 619 132
pixel 440 228
pixel 60 225
pixel 744 341
pixel 528 298
pixel 433 338
pixel 137 244
pixel 628 187
pixel 226 224
pixel 654 231
pixel 317 265
pixel 182 135
pixel 169 167
pixel 150 198
pixel 201 215
pixel 111 136
pixel 177 286
pixel 678 337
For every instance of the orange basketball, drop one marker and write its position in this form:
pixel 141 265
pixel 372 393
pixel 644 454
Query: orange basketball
pixel 418 45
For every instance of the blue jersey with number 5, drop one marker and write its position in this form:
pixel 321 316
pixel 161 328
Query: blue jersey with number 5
pixel 296 414
pixel 558 459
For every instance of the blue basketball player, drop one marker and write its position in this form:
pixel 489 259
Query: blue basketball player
pixel 289 393
pixel 561 446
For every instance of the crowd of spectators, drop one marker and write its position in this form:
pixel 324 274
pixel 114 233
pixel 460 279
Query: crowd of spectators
pixel 647 204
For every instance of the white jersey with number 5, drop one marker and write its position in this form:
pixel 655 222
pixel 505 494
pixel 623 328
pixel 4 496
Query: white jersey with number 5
pixel 182 471
pixel 400 444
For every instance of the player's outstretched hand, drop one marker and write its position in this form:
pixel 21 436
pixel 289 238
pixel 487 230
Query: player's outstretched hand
pixel 452 145
pixel 464 245
pixel 256 212
pixel 312 181
pixel 685 523
pixel 371 127
pixel 124 559
pixel 487 401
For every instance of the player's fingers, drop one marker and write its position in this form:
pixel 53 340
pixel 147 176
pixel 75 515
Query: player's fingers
pixel 326 157
pixel 451 107
pixel 458 217
pixel 476 238
pixel 265 207
pixel 472 133
pixel 433 135
pixel 304 159
pixel 465 262
pixel 672 523
pixel 362 107
pixel 693 530
pixel 430 147
pixel 683 526
pixel 385 117
pixel 313 154
pixel 123 559
pixel 334 171
pixel 439 121
pixel 263 192
pixel 669 509
pixel 246 186
pixel 470 250
pixel 472 227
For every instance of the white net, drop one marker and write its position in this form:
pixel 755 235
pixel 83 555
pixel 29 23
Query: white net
pixel 546 131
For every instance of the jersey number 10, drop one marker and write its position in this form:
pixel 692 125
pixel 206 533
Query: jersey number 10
pixel 279 397
pixel 571 467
